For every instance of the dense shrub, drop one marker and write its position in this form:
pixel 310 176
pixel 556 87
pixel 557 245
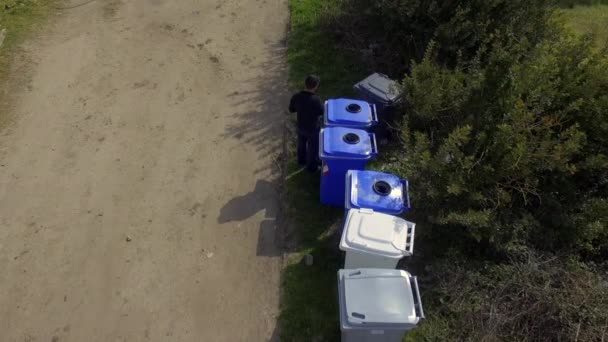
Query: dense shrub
pixel 532 299
pixel 389 33
pixel 572 3
pixel 515 152
pixel 505 141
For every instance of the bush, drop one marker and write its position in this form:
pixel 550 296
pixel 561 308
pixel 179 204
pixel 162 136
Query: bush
pixel 532 299
pixel 514 152
pixel 572 3
pixel 389 33
pixel 504 140
pixel 506 130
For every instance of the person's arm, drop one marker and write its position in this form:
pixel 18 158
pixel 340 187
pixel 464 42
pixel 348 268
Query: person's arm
pixel 320 106
pixel 319 110
pixel 292 104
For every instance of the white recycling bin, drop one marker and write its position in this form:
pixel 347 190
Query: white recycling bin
pixel 377 304
pixel 375 240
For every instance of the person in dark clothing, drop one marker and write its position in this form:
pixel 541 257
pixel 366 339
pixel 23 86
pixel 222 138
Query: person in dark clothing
pixel 309 108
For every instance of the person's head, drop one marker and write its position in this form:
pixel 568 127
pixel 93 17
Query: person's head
pixel 312 83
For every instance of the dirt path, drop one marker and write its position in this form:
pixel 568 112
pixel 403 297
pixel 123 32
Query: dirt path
pixel 137 197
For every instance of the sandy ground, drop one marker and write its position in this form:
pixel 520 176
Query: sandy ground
pixel 137 191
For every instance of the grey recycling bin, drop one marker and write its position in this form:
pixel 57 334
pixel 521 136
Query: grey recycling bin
pixel 375 240
pixel 379 90
pixel 377 305
pixel 384 93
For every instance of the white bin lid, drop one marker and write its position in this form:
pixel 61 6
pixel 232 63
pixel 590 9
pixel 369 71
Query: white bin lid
pixel 377 233
pixel 377 298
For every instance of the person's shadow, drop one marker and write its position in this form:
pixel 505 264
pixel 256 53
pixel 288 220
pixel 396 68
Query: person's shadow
pixel 263 197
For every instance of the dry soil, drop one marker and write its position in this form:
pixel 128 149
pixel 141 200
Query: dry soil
pixel 137 187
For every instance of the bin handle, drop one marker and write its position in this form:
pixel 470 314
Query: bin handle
pixel 320 137
pixel 372 137
pixel 374 113
pixel 411 231
pixel 417 298
pixel 406 189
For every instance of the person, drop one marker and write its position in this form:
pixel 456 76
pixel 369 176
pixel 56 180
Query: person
pixel 309 108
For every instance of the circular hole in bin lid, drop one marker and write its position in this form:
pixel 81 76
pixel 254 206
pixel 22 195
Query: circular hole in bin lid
pixel 351 138
pixel 382 188
pixel 353 108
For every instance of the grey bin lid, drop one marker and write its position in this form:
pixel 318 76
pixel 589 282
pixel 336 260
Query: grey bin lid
pixel 377 298
pixel 377 234
pixel 379 87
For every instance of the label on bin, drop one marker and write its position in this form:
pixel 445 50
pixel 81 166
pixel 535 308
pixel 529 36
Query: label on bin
pixel 377 332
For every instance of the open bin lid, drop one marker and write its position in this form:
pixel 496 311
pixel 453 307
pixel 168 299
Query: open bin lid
pixel 377 298
pixel 380 88
pixel 377 233
pixel 348 112
pixel 346 143
pixel 381 192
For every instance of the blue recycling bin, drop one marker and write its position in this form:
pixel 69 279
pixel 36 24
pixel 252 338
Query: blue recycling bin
pixel 350 113
pixel 342 149
pixel 381 192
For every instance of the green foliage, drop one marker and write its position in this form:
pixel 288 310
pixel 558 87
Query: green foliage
pixel 391 32
pixel 313 52
pixel 572 3
pixel 505 144
pixel 515 152
pixel 591 20
pixel 532 299
pixel 507 152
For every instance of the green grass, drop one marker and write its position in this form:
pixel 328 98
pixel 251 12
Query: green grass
pixel 312 51
pixel 18 18
pixel 309 310
pixel 572 3
pixel 309 305
pixel 589 20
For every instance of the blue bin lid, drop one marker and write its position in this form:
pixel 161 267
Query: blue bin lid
pixel 382 192
pixel 380 88
pixel 348 112
pixel 346 143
